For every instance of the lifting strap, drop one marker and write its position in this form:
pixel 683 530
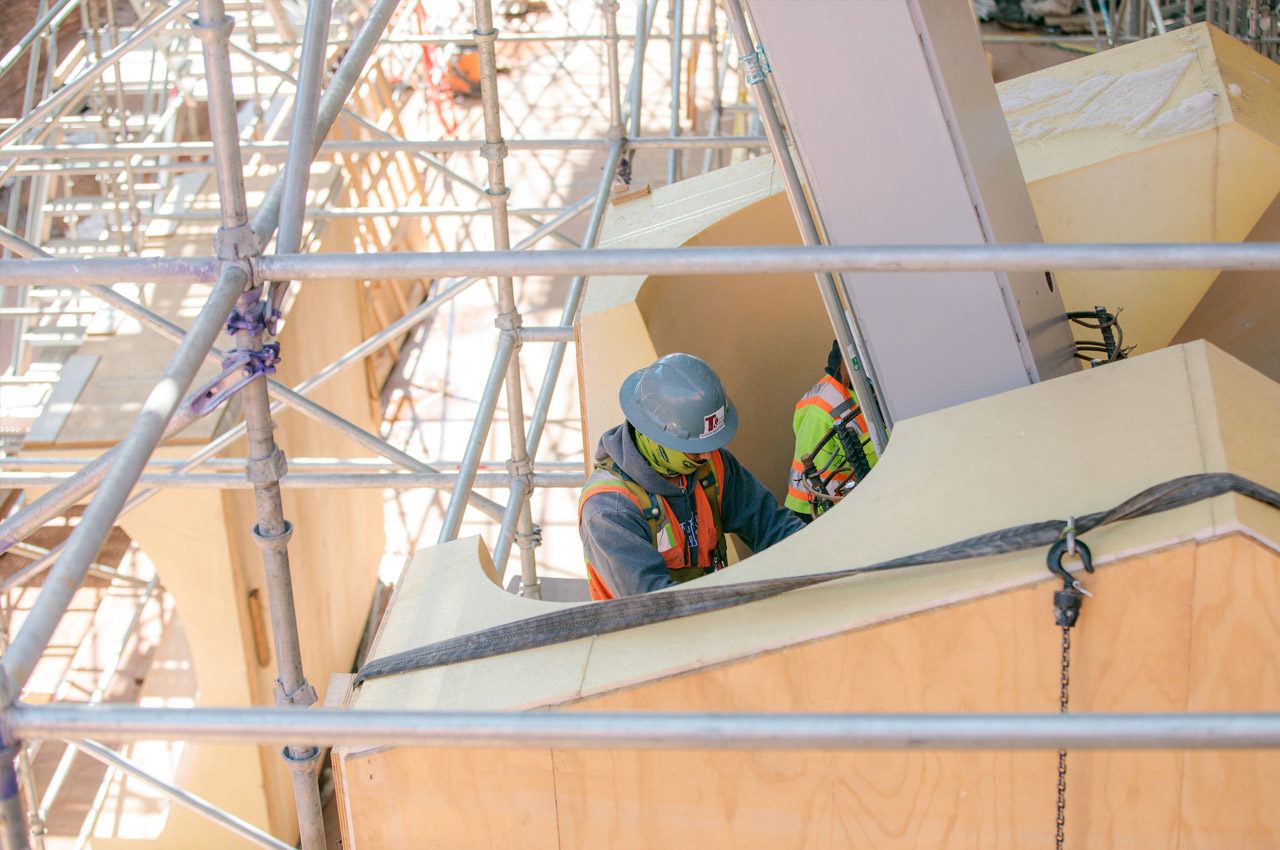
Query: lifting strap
pixel 616 615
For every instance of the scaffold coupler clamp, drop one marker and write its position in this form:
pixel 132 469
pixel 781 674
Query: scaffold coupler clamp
pixel 237 243
pixel 304 759
pixel 238 369
pixel 511 323
pixel 211 33
pixel 1066 602
pixel 755 65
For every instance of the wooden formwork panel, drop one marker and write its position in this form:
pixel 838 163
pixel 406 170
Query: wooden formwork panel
pixel 1190 628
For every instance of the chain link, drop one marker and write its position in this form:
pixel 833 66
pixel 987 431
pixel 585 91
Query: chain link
pixel 1062 754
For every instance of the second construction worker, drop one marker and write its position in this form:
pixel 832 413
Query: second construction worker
pixel 811 422
pixel 665 491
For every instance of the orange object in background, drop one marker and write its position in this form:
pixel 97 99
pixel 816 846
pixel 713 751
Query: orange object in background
pixel 463 74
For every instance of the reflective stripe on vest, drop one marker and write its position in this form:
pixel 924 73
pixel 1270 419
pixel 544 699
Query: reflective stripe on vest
pixel 826 395
pixel 665 531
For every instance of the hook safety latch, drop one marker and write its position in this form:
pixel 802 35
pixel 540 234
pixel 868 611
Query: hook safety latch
pixel 1066 602
pixel 238 370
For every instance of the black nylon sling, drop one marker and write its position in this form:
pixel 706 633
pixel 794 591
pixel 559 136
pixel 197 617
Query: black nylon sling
pixel 616 615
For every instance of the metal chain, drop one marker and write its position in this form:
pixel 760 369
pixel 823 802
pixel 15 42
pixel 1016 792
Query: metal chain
pixel 1062 754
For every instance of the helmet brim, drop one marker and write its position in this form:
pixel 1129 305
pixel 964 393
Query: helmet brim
pixel 642 423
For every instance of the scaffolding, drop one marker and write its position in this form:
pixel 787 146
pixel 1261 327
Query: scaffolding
pixel 119 115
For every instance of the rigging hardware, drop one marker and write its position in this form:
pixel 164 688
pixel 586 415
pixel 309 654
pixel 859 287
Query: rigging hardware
pixel 846 466
pixel 1108 325
pixel 1066 610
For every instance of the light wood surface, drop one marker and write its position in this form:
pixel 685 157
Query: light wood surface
pixel 766 357
pixel 1190 628
pixel 1060 448
pixel 1241 311
pixel 1104 133
pixel 1182 619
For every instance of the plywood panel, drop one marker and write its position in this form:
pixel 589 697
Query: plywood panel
pixel 1102 134
pixel 1241 311
pixel 1153 622
pixel 478 798
pixel 1229 797
pixel 767 337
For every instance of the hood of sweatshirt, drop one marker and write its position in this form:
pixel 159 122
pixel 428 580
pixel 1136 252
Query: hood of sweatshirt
pixel 618 444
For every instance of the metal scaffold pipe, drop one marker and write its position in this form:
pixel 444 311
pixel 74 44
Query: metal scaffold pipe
pixel 542 406
pixel 657 731
pixel 266 461
pixel 843 321
pixel 241 828
pixel 331 104
pixel 722 260
pixel 475 444
pixel 68 92
pixel 508 319
pixel 101 155
pixel 40 511
pixel 123 472
pixel 677 58
pixel 610 10
pixel 49 20
pixel 318 481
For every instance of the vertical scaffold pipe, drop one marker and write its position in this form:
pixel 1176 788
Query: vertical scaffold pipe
pixel 131 456
pixel 495 150
pixel 266 462
pixel 13 824
pixel 542 406
pixel 335 95
pixel 610 9
pixel 644 23
pixel 475 445
pixel 677 57
pixel 843 321
pixel 718 75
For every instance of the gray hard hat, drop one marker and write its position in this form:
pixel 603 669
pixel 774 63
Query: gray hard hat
pixel 679 403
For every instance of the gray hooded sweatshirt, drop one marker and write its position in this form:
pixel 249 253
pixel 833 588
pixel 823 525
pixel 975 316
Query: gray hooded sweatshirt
pixel 615 535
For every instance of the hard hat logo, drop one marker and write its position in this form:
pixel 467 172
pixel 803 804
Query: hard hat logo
pixel 679 403
pixel 713 423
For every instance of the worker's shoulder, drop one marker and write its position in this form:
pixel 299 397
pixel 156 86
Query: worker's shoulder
pixel 606 482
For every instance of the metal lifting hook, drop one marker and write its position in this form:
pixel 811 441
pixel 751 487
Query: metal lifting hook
pixel 1066 602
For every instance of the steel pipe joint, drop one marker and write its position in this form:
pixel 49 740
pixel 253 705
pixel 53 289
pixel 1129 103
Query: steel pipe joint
pixel 306 762
pixel 267 469
pixel 494 151
pixel 277 543
pixel 237 243
pixel 215 32
pixel 301 697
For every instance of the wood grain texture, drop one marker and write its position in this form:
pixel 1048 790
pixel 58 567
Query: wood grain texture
pixel 476 798
pixel 1191 628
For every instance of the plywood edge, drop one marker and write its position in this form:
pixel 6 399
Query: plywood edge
pixel 1028 455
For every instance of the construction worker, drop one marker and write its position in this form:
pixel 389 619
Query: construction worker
pixel 665 492
pixel 811 422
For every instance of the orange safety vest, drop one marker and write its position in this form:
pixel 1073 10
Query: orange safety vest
pixel 665 532
pixel 826 395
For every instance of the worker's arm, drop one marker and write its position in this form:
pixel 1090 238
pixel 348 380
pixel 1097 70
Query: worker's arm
pixel 750 511
pixel 616 542
pixel 811 424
